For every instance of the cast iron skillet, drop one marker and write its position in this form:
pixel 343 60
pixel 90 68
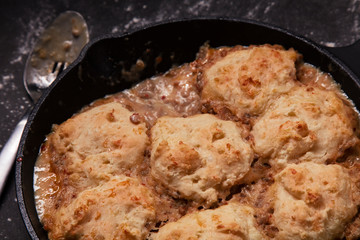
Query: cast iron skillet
pixel 98 72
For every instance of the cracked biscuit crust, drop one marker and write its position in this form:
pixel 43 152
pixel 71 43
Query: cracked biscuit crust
pixel 308 124
pixel 229 222
pixel 119 209
pixel 312 201
pixel 198 157
pixel 247 80
pixel 98 143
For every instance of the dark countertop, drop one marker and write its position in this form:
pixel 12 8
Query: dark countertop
pixel 334 23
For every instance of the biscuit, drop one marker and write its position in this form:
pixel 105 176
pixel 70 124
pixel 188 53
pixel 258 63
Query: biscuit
pixel 98 143
pixel 246 80
pixel 198 157
pixel 119 209
pixel 228 222
pixel 312 201
pixel 308 124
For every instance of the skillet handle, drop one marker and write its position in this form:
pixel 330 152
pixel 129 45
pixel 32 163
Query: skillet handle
pixel 8 153
pixel 350 55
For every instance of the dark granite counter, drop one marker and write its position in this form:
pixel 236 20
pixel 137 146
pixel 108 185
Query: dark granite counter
pixel 329 23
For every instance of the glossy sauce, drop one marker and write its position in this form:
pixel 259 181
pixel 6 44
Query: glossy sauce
pixel 173 94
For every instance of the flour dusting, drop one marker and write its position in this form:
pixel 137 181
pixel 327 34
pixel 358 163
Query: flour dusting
pixel 34 26
pixel 200 7
pixel 166 11
pixel 135 23
pixel 7 82
pixel 268 7
pixel 129 8
pixel 253 12
pixel 328 44
pixel 115 29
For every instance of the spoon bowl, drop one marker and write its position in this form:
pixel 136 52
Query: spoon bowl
pixel 58 46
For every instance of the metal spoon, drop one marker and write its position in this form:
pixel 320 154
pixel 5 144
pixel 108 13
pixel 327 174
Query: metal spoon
pixel 57 47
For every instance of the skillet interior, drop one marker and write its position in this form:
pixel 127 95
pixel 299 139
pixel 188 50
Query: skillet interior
pixel 99 71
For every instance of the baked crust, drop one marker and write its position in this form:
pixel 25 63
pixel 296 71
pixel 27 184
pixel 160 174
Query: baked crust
pixel 247 80
pixel 312 201
pixel 199 157
pixel 229 222
pixel 97 144
pixel 121 208
pixel 307 124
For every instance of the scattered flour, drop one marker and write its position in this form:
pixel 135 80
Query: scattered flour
pixel 200 7
pixel 135 23
pixel 165 11
pixel 17 60
pixel 353 6
pixel 115 29
pixel 129 8
pixel 26 41
pixel 10 82
pixel 328 44
pixel 7 82
pixel 252 13
pixel 6 78
pixel 268 7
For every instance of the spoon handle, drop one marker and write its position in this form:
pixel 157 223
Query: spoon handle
pixel 8 153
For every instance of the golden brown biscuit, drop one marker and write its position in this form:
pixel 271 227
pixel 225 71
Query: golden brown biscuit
pixel 312 201
pixel 228 222
pixel 246 80
pixel 308 124
pixel 119 209
pixel 198 157
pixel 97 144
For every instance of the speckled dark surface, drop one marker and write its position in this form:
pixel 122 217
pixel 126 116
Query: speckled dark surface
pixel 330 23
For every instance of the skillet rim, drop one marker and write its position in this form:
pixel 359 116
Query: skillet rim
pixel 19 169
pixel 321 49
